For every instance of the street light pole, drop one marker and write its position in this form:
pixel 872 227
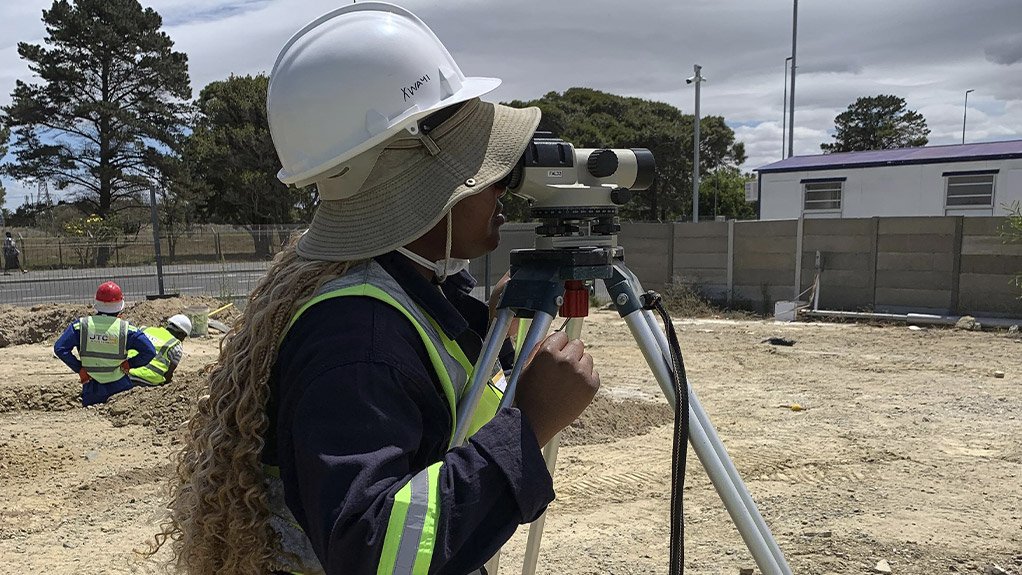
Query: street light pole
pixel 965 113
pixel 697 79
pixel 784 107
pixel 791 104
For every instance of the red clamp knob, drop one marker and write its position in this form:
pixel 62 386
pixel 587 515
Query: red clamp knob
pixel 576 299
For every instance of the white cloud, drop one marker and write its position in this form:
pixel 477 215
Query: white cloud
pixel 924 51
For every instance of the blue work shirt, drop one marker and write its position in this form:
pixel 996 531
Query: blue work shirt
pixel 356 409
pixel 68 342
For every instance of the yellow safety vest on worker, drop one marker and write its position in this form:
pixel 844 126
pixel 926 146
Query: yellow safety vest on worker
pixel 155 373
pixel 416 509
pixel 103 346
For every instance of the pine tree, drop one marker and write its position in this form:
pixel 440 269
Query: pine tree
pixel 878 123
pixel 110 100
pixel 5 133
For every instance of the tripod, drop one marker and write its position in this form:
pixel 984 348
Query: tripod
pixel 544 281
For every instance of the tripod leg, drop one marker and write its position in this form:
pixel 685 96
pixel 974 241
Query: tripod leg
pixel 703 420
pixel 537 332
pixel 710 451
pixel 531 557
pixel 481 373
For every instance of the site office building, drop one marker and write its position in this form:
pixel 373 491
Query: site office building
pixel 958 180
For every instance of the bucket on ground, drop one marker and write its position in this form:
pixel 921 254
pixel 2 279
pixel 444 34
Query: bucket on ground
pixel 787 310
pixel 199 316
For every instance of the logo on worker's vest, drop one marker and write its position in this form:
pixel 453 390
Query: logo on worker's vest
pixel 104 338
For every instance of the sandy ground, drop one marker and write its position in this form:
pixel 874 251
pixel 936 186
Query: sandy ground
pixel 908 450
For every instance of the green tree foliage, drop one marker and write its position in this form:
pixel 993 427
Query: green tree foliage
pixel 26 215
pixel 877 123
pixel 722 193
pixel 110 99
pixel 111 93
pixel 179 194
pixel 592 119
pixel 1011 231
pixel 5 134
pixel 231 151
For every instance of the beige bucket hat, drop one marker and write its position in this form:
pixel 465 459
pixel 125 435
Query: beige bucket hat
pixel 412 184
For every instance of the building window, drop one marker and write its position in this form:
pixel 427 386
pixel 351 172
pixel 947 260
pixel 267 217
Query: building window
pixel 973 190
pixel 822 195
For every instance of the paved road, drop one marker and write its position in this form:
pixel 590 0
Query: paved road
pixel 228 280
pixel 71 286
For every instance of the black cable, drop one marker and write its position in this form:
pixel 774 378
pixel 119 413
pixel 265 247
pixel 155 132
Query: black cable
pixel 652 301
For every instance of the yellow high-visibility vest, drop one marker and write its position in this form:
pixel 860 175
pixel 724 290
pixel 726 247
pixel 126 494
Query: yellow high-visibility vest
pixel 414 515
pixel 155 373
pixel 103 346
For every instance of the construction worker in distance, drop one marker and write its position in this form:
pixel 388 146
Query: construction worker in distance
pixel 167 341
pixel 324 443
pixel 103 341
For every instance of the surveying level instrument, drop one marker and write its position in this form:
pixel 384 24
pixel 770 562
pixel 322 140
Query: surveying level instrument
pixel 576 245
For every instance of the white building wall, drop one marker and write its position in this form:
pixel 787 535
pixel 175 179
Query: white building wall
pixel 903 190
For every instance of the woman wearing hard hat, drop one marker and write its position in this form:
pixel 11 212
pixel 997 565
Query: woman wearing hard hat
pixel 324 443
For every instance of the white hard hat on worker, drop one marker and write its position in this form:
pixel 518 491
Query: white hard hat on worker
pixel 347 99
pixel 181 322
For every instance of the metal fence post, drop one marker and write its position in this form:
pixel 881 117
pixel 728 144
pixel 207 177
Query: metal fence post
pixel 799 237
pixel 24 253
pixel 156 238
pixel 216 243
pixel 60 253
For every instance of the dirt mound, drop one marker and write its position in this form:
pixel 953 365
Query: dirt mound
pixel 42 322
pixel 21 325
pixel 167 407
pixel 57 396
pixel 608 419
pixel 155 312
pixel 163 408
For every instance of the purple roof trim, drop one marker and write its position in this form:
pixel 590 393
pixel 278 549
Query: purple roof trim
pixel 925 155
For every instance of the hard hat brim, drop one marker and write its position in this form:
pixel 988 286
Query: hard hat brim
pixel 109 306
pixel 410 191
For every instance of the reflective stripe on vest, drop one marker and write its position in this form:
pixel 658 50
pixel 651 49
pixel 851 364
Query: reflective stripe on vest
pixel 155 372
pixel 102 346
pixel 411 529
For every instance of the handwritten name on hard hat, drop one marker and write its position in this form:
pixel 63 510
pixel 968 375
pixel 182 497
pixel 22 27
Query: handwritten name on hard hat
pixel 409 91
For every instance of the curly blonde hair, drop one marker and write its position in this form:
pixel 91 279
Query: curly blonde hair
pixel 219 515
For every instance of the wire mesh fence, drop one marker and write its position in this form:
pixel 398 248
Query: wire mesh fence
pixel 219 261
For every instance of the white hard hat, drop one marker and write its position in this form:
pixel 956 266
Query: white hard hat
pixel 351 80
pixel 181 322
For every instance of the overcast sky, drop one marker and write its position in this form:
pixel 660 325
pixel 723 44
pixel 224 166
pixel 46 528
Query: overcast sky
pixel 926 51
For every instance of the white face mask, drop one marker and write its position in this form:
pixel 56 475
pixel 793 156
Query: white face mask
pixel 441 268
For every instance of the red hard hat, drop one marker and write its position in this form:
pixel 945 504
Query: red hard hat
pixel 109 298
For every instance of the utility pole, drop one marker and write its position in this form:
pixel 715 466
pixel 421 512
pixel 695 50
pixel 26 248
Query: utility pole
pixel 784 109
pixel 697 79
pixel 965 113
pixel 791 104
